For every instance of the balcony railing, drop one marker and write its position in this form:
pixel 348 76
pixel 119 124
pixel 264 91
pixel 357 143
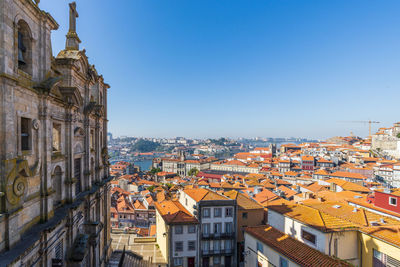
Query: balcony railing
pixel 217 235
pixel 206 252
pixel 226 251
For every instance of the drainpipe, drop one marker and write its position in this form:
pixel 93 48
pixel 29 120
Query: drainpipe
pixel 361 252
pixel 330 243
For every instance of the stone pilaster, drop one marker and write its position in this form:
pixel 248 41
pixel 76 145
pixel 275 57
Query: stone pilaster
pixel 45 134
pixel 69 151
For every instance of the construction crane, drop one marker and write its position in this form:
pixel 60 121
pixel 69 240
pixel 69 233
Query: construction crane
pixel 369 123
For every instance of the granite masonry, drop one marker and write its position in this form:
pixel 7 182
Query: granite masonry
pixel 54 190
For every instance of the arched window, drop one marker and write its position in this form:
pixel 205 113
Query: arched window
pixel 24 47
pixel 57 185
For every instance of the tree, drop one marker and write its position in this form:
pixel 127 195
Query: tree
pixel 193 172
pixel 169 185
pixel 398 135
pixel 219 142
pixel 151 188
pixel 155 170
pixel 145 146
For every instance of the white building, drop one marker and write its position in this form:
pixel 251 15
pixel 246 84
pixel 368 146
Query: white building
pixel 318 230
pixel 266 246
pixel 177 234
pixel 217 224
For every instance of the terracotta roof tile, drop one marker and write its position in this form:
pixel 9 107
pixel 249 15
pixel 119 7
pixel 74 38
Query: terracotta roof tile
pixel 199 194
pixel 173 212
pixel 296 251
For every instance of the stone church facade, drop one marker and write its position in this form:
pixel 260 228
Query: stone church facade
pixel 54 190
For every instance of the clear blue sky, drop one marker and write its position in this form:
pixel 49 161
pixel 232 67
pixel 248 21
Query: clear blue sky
pixel 210 68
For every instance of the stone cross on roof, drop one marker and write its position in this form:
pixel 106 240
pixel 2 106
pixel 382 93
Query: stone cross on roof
pixel 73 14
pixel 72 37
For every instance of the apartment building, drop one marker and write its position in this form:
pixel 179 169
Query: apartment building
pixel 235 166
pixel 177 234
pixel 267 246
pixel 217 223
pixel 249 213
pixel 318 230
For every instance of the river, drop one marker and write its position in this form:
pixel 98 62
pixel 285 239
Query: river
pixel 144 165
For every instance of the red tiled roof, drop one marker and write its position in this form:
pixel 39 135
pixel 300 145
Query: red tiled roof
pixel 296 251
pixel 174 212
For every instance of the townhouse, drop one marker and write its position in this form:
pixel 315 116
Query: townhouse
pixel 217 216
pixel 249 213
pixel 266 246
pixel 319 230
pixel 177 234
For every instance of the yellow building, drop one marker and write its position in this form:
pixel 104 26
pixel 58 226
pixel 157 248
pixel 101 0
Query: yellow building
pixel 380 246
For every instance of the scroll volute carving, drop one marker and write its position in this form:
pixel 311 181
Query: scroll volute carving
pixel 16 183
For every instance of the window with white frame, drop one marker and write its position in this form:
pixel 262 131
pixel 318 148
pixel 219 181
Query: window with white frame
pixel 191 245
pixel 178 229
pixel 178 261
pixel 228 212
pixel 206 245
pixel 206 228
pixel 206 212
pixel 228 227
pixel 217 212
pixel 191 229
pixel 179 246
pixel 217 228
pixel 308 236
pixel 382 259
pixel 392 201
pixel 228 245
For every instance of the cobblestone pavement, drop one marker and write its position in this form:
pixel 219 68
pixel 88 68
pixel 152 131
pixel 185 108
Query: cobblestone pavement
pixel 149 251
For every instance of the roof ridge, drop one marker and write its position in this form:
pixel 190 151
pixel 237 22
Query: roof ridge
pixel 322 219
pixel 364 216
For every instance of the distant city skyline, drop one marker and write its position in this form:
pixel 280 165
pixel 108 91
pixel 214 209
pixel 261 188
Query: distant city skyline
pixel 205 138
pixel 236 68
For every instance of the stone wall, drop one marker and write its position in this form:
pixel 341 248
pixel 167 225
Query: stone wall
pixel 386 143
pixel 42 213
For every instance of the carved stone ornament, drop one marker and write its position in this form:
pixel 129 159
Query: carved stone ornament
pixel 35 124
pixel 17 170
pixel 104 155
